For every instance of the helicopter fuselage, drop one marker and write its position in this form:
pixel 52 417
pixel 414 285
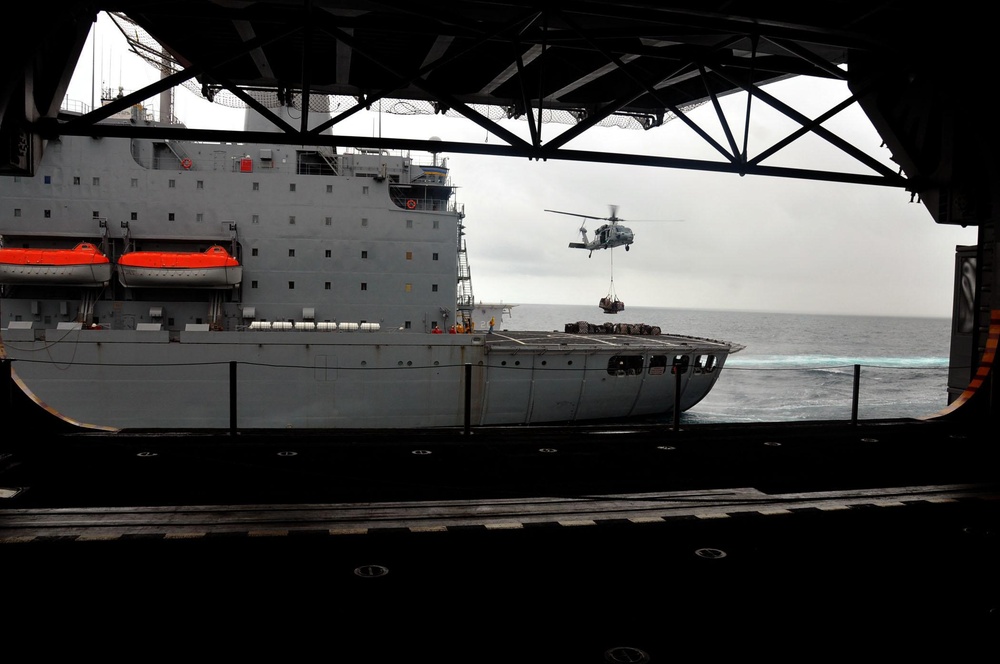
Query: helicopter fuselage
pixel 607 236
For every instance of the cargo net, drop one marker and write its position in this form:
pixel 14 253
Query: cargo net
pixel 583 327
pixel 147 48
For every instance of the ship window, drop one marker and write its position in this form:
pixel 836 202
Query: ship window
pixel 17 212
pixel 364 222
pixel 434 288
pixel 329 254
pixel 704 363
pixel 329 188
pixel 657 365
pixel 327 286
pixel 253 252
pixel 408 288
pixel 291 187
pixel 134 216
pixel 291 220
pixel 364 190
pixel 199 217
pixel 625 365
pixel 406 325
pixel 135 182
pixel 409 254
pixel 253 284
pixel 364 253
pixel 681 363
pixel 291 253
pixel 97 213
pixel 409 223
pixel 200 185
pixel 171 184
pixel 364 286
pixel 434 256
pixel 170 216
pixel 328 221
pixel 255 219
pixel 48 179
pixel 76 179
pixel 97 182
pixel 291 285
pixel 48 214
pixel 436 223
pixel 256 186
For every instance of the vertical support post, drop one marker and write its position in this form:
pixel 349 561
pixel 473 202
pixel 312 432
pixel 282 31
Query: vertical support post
pixel 232 398
pixel 854 400
pixel 7 399
pixel 468 398
pixel 677 395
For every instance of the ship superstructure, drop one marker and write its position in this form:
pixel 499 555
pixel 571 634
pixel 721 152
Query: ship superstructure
pixel 357 237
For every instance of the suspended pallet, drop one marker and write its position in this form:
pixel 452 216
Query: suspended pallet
pixel 611 305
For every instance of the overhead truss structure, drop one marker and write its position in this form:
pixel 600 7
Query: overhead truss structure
pixel 632 64
pixel 583 63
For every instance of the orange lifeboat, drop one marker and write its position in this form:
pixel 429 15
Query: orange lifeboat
pixel 212 268
pixel 83 265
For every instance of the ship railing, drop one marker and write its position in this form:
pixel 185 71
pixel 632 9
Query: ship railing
pixel 424 203
pixel 74 106
pixel 142 112
pixel 317 169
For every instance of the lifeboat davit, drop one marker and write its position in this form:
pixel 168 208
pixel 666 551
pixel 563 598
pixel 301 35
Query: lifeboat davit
pixel 83 265
pixel 212 268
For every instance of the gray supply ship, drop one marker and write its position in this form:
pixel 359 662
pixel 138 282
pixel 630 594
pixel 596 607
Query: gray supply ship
pixel 171 285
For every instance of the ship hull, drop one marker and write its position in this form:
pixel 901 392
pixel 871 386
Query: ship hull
pixel 210 380
pixel 293 287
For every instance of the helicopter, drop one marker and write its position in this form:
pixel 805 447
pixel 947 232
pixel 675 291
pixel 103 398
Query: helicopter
pixel 607 236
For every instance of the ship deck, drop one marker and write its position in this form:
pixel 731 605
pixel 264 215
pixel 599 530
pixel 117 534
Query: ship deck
pixel 590 544
pixel 512 340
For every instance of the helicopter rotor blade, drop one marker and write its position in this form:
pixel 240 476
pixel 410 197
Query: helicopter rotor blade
pixel 614 212
pixel 574 214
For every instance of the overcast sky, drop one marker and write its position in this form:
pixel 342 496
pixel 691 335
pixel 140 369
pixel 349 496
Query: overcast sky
pixel 742 243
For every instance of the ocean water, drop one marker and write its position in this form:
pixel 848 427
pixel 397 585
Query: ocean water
pixel 795 367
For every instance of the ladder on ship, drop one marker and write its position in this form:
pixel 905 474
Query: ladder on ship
pixel 182 159
pixel 466 302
